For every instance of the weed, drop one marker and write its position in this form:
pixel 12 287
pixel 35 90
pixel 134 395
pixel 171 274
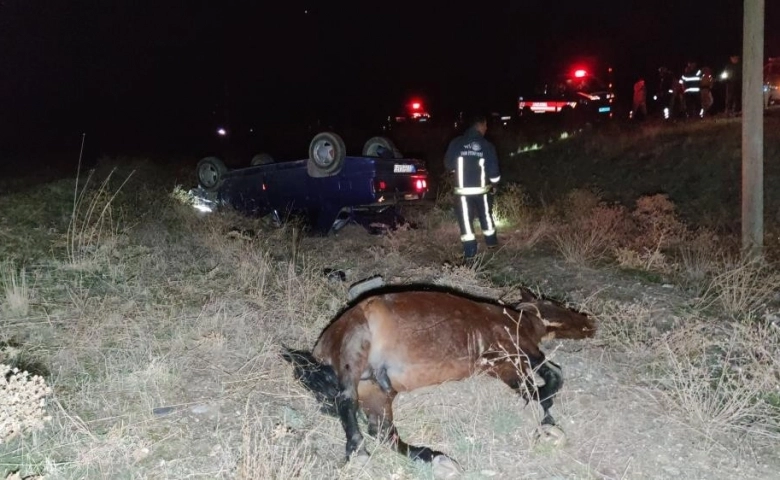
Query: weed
pixel 16 292
pixel 590 229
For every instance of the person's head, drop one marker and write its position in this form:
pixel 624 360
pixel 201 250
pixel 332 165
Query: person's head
pixel 479 123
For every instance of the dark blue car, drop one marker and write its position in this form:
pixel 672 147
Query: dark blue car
pixel 328 189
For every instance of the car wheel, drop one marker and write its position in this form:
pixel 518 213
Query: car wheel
pixel 210 171
pixel 261 159
pixel 326 154
pixel 381 147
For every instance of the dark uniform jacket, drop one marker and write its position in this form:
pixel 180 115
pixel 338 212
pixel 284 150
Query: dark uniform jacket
pixel 474 161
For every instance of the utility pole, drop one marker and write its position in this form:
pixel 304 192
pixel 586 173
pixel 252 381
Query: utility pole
pixel 753 129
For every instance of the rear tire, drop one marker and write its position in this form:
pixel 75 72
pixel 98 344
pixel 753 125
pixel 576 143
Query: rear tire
pixel 374 145
pixel 326 154
pixel 210 171
pixel 261 159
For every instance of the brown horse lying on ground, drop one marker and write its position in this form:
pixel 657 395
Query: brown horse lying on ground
pixel 398 339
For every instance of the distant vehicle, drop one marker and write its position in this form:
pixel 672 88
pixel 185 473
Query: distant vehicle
pixel 327 190
pixel 413 111
pixel 772 81
pixel 495 120
pixel 578 94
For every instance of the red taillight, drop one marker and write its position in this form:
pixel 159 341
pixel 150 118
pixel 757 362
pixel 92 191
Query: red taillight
pixel 580 73
pixel 380 185
pixel 421 184
pixel 416 105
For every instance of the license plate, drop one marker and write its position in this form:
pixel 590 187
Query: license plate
pixel 603 109
pixel 400 168
pixel 411 196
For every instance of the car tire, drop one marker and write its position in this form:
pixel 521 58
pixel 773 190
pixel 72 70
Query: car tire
pixel 210 172
pixel 326 154
pixel 261 159
pixel 373 144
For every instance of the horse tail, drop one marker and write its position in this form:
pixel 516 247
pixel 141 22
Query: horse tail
pixel 565 323
pixel 318 378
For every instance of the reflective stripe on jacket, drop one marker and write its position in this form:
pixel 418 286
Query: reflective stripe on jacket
pixel 474 161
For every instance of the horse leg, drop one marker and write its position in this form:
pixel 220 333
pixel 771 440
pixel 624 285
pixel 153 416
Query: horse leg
pixel 347 406
pixel 553 381
pixel 378 405
pixel 520 379
pixel 352 363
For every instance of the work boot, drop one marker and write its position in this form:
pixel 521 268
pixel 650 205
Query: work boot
pixel 491 241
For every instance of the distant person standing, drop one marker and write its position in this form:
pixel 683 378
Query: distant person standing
pixel 665 95
pixel 691 82
pixel 639 110
pixel 706 91
pixel 474 162
pixel 733 77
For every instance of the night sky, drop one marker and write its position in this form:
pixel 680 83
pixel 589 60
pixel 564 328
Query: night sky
pixel 142 67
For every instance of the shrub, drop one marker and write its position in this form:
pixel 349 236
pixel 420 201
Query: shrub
pixel 591 228
pixel 22 402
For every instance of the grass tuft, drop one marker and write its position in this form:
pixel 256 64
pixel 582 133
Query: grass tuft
pixel 16 292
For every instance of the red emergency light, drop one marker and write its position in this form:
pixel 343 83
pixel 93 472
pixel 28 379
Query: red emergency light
pixel 579 73
pixel 416 105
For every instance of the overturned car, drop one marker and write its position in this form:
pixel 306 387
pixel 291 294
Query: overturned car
pixel 328 190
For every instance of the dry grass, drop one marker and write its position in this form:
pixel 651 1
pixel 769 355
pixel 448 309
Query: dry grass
pixel 722 383
pixel 275 451
pixel 16 292
pixel 699 259
pixel 165 350
pixel 512 206
pixel 629 326
pixel 94 221
pixel 590 229
pixel 742 288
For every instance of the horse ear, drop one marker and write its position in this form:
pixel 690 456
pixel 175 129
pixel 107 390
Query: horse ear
pixel 526 295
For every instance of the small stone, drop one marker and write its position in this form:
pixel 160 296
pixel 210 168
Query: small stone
pixel 198 409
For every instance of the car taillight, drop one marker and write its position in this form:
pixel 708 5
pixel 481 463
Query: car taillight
pixel 421 185
pixel 380 185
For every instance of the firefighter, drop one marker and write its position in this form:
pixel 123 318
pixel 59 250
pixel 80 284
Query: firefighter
pixel 474 162
pixel 639 110
pixel 691 81
pixel 665 96
pixel 733 77
pixel 705 86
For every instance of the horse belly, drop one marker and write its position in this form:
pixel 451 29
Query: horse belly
pixel 411 376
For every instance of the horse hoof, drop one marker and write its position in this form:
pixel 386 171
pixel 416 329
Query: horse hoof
pixel 359 459
pixel 445 467
pixel 551 435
